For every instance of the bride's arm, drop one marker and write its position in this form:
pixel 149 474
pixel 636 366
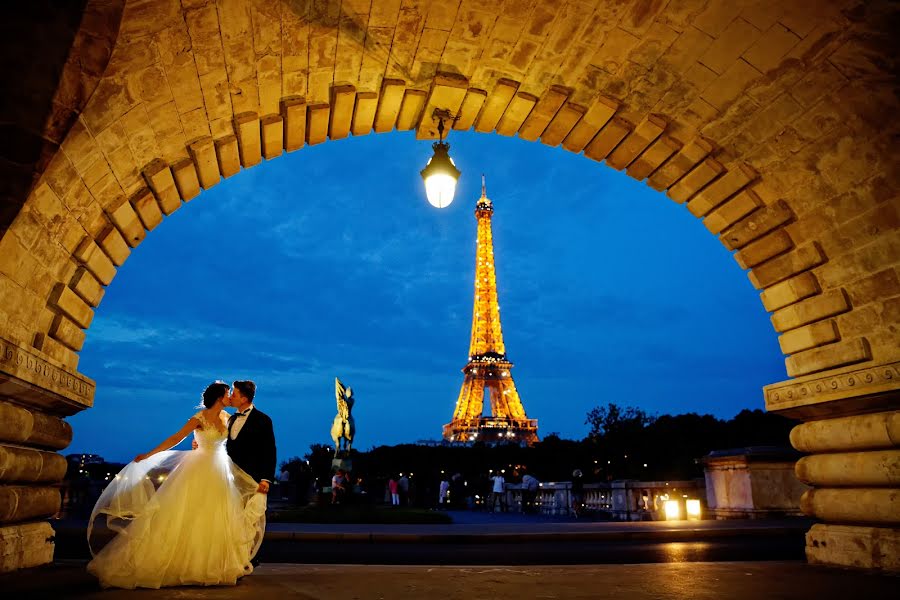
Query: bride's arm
pixel 172 440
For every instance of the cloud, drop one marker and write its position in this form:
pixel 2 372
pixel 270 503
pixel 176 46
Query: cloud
pixel 329 262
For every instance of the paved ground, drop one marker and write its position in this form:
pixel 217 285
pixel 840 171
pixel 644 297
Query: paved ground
pixel 508 539
pixel 697 581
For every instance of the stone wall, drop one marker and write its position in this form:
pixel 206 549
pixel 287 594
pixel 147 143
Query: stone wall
pixel 752 483
pixel 761 119
pixel 770 121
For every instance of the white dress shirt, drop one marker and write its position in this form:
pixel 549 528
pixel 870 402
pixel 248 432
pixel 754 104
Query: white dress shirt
pixel 239 421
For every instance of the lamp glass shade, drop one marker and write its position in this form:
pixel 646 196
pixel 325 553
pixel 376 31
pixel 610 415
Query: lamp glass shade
pixel 440 176
pixel 439 188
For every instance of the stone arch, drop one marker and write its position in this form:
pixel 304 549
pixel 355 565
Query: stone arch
pixel 764 120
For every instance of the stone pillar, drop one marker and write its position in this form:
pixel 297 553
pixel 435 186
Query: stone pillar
pixel 851 434
pixel 35 394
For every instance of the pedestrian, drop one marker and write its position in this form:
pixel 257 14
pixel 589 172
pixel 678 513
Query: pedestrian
pixel 338 486
pixel 577 493
pixel 530 486
pixel 443 492
pixel 393 486
pixel 498 491
pixel 457 492
pixel 403 489
pixel 284 482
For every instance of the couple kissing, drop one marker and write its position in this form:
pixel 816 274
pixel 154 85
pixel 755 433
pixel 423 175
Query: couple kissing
pixel 192 517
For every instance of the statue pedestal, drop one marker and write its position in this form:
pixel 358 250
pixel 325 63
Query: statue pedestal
pixel 341 463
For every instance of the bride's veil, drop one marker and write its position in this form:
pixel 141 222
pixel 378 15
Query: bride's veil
pixel 128 495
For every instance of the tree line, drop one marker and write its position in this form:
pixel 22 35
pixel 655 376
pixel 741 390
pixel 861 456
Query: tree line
pixel 623 443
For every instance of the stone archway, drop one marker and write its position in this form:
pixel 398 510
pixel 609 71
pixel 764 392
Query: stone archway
pixel 765 119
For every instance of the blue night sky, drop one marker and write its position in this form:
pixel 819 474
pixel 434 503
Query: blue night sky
pixel 329 261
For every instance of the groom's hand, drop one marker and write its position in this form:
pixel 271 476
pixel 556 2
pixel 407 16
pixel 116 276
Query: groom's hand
pixel 263 487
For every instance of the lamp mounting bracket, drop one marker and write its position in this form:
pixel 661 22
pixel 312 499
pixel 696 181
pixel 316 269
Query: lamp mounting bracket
pixel 442 114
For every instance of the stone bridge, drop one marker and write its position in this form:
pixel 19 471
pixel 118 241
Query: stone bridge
pixel 773 121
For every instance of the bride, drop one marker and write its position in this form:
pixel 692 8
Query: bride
pixel 180 518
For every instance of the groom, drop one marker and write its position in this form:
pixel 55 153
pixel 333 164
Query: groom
pixel 251 439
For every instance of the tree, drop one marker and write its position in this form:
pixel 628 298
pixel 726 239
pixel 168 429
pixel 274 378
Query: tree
pixel 614 420
pixel 319 458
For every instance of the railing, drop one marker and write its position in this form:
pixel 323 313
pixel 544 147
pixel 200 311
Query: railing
pixel 622 500
pixel 556 498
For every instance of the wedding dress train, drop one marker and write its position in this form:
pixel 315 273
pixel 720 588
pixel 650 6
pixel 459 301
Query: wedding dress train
pixel 178 518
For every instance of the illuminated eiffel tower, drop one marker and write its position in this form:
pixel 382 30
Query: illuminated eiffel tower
pixel 487 373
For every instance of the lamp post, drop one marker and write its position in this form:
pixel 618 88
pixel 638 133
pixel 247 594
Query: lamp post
pixel 440 174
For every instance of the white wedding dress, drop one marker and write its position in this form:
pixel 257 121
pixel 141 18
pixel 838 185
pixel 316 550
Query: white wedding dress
pixel 178 518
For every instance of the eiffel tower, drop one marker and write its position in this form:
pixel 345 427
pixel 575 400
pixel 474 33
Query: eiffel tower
pixel 487 374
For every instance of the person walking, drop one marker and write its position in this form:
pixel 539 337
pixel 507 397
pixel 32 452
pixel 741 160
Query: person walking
pixel 443 492
pixel 338 487
pixel 498 491
pixel 530 486
pixel 403 489
pixel 577 493
pixel 394 488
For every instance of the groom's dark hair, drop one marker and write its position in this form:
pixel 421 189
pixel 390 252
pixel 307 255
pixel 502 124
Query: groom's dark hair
pixel 246 388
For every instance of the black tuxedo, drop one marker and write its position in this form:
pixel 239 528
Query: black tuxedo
pixel 253 449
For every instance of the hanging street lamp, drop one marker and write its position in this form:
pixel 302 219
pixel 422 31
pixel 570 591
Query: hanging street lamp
pixel 440 174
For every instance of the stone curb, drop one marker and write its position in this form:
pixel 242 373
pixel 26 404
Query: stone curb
pixel 668 535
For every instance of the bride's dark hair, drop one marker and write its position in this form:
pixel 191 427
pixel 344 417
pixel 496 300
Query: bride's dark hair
pixel 213 392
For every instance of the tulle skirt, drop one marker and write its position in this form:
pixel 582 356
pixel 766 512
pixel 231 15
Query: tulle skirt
pixel 177 518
